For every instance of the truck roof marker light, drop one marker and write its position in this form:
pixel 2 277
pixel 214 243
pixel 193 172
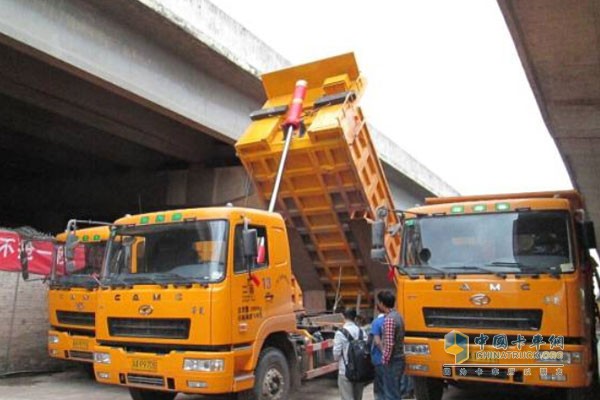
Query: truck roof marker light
pixel 479 208
pixel 85 238
pixel 502 206
pixel 96 238
pixel 457 209
pixel 145 219
pixel 176 217
pixel 160 218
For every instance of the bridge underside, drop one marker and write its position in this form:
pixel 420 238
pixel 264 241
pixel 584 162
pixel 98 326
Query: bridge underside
pixel 559 45
pixel 70 148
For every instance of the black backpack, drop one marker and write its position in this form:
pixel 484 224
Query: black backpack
pixel 359 367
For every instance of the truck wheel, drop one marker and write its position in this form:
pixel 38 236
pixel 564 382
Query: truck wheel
pixel 578 394
pixel 146 394
pixel 89 370
pixel 272 376
pixel 428 388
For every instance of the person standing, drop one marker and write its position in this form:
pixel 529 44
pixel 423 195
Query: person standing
pixel 392 346
pixel 376 355
pixel 348 390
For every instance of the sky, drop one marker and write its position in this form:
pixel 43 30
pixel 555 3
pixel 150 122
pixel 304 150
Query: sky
pixel 444 82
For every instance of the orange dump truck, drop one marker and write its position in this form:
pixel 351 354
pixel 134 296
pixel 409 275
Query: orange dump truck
pixel 203 300
pixel 499 289
pixel 72 296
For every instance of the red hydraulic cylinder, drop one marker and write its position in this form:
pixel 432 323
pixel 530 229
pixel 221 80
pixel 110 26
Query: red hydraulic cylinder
pixel 294 115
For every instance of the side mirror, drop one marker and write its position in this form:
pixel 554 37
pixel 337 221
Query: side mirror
pixel 377 233
pixel 24 263
pixel 378 254
pixel 378 240
pixel 70 245
pixel 250 239
pixel 588 235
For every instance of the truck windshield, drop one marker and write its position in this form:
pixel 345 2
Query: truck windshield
pixel 171 253
pixel 87 264
pixel 516 242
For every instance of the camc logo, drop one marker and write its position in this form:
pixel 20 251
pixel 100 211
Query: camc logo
pixel 145 310
pixel 457 344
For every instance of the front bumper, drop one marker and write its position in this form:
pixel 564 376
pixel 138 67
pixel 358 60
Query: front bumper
pixel 72 347
pixel 165 372
pixel 439 364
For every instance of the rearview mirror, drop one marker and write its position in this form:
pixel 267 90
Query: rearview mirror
pixel 24 263
pixel 250 239
pixel 70 245
pixel 378 254
pixel 377 233
pixel 588 235
pixel 378 240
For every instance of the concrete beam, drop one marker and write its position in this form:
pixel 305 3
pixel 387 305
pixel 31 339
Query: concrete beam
pixel 74 36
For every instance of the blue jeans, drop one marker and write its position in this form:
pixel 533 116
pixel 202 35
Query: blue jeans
pixel 392 378
pixel 378 388
pixel 407 386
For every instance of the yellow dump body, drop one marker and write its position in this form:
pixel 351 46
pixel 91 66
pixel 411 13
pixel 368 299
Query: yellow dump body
pixel 332 173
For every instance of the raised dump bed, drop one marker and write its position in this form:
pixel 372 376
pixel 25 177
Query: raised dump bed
pixel 332 173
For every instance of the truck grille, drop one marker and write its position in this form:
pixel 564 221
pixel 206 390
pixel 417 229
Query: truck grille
pixel 165 328
pixel 529 320
pixel 81 355
pixel 146 380
pixel 76 318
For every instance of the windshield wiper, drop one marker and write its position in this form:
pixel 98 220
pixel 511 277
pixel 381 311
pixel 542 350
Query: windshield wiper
pixel 71 281
pixel 478 268
pixel 176 279
pixel 115 281
pixel 528 270
pixel 411 273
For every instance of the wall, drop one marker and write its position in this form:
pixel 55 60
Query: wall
pixel 24 328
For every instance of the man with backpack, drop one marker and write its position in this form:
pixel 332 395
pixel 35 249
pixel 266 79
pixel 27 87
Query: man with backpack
pixel 351 350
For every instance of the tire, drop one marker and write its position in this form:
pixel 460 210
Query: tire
pixel 272 380
pixel 147 394
pixel 89 370
pixel 428 388
pixel 578 394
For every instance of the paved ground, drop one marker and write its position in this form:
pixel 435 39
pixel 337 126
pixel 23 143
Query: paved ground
pixel 75 385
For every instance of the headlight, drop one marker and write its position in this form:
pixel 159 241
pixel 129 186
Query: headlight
pixel 52 339
pixel 102 358
pixel 196 364
pixel 416 348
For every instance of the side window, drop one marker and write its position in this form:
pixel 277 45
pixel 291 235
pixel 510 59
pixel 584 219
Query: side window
pixel 261 261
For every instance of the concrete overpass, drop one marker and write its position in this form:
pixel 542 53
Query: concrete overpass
pixel 143 99
pixel 558 42
pixel 112 107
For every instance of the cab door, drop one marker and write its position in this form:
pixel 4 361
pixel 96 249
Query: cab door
pixel 250 294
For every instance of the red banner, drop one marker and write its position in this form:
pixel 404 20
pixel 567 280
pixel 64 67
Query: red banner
pixel 39 256
pixel 10 243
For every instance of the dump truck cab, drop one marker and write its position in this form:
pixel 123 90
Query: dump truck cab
pixel 186 307
pixel 499 289
pixel 72 295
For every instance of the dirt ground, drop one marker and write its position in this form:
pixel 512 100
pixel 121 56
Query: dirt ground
pixel 74 384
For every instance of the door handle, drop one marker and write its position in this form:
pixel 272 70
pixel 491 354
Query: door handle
pixel 269 296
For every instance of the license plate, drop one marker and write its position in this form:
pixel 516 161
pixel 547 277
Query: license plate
pixel 80 344
pixel 142 364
